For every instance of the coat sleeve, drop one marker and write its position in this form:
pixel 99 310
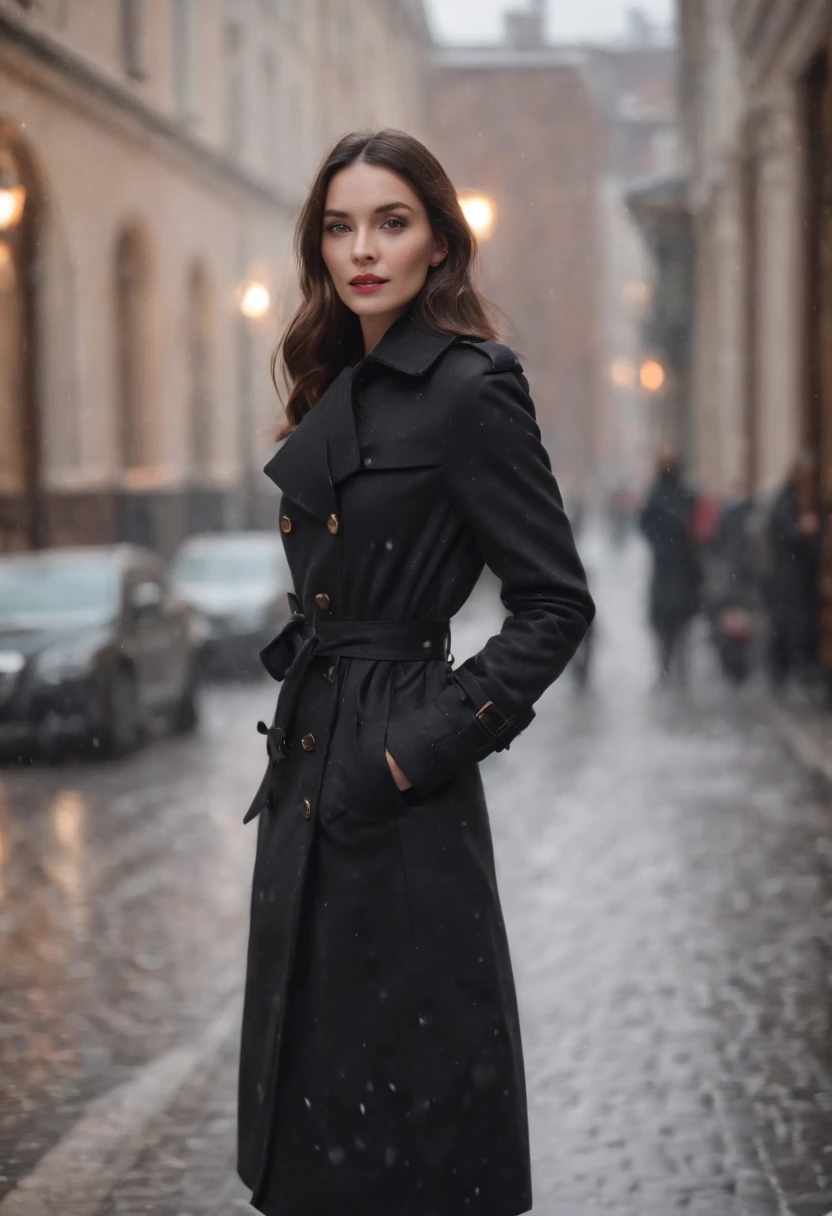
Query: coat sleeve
pixel 500 479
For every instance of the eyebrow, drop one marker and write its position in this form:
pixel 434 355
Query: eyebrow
pixel 343 215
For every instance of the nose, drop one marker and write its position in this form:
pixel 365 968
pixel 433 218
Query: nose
pixel 363 249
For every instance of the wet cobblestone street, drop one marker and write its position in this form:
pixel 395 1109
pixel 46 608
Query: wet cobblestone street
pixel 665 872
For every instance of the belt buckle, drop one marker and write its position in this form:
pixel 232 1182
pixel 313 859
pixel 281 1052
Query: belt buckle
pixel 275 738
pixel 492 720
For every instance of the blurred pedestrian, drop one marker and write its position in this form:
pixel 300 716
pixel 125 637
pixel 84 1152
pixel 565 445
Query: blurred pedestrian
pixel 667 521
pixel 794 540
pixel 381 1068
pixel 731 583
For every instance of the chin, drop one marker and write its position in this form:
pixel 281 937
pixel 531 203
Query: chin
pixel 372 307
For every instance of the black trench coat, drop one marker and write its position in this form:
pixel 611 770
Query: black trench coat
pixel 381 1070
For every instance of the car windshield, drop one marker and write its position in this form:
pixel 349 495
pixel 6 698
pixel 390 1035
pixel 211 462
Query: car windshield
pixel 225 565
pixel 82 587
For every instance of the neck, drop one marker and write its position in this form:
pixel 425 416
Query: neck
pixel 373 329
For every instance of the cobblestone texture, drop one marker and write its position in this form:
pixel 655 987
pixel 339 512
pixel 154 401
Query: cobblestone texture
pixel 665 870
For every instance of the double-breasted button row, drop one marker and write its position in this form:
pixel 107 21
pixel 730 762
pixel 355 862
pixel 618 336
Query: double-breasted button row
pixel 308 743
pixel 323 601
pixel 306 807
pixel 333 523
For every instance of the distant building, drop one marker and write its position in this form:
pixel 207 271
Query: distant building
pixel 517 123
pixel 634 84
pixel 554 135
pixel 152 159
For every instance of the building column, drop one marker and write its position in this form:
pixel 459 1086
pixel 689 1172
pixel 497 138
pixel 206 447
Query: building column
pixel 728 381
pixel 705 418
pixel 779 314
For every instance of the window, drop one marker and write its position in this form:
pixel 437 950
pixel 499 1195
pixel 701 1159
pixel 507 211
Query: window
pixel 132 334
pixel 185 57
pixel 234 84
pixel 199 370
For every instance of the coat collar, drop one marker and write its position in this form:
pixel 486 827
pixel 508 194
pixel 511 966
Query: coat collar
pixel 410 345
pixel 323 450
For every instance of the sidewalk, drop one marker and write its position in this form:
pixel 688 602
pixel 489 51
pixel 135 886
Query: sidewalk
pixel 806 729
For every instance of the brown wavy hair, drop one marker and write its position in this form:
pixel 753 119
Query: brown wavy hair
pixel 324 335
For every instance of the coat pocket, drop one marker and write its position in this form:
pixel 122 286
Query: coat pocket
pixel 380 798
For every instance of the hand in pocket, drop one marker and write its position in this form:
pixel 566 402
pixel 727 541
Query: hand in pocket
pixel 398 776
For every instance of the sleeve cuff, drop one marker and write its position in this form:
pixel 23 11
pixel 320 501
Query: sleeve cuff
pixel 431 743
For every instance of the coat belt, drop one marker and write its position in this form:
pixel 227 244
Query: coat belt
pixel 288 656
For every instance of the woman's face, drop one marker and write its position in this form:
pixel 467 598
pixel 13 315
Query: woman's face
pixel 377 243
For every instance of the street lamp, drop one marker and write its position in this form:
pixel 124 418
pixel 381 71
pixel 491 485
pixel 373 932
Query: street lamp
pixel 480 213
pixel 255 300
pixel 651 375
pixel 12 200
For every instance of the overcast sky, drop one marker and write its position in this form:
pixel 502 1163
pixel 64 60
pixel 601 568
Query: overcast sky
pixel 481 20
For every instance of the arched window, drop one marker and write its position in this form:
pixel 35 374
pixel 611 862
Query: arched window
pixel 132 348
pixel 199 371
pixel 21 514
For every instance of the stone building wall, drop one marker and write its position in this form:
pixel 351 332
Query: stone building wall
pixel 166 146
pixel 745 70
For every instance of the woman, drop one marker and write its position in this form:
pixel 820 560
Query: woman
pixel 381 1068
pixel 795 541
pixel 667 523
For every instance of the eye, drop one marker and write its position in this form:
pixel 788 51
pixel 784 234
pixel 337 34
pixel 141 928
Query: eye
pixel 338 227
pixel 394 219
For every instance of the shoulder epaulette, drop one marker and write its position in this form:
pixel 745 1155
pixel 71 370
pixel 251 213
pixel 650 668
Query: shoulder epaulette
pixel 502 358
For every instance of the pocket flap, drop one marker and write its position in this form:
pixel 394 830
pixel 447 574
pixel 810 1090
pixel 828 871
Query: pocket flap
pixel 401 453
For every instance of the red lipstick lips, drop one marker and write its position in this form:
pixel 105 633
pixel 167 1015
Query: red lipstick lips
pixel 366 283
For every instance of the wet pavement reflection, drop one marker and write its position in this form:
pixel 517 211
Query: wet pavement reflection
pixel 665 870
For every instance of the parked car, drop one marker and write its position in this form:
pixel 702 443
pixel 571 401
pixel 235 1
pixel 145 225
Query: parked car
pixel 93 647
pixel 238 581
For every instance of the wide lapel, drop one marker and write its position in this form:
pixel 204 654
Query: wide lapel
pixel 300 467
pixel 323 449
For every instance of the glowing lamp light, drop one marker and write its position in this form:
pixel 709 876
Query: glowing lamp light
pixel 623 373
pixel 12 202
pixel 480 213
pixel 651 375
pixel 636 293
pixel 255 301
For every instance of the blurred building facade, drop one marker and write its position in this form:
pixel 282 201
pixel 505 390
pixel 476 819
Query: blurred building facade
pixel 153 157
pixel 634 84
pixel 555 135
pixel 516 122
pixel 757 120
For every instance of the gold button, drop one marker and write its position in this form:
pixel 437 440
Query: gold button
pixel 333 523
pixel 329 675
pixel 308 743
pixel 322 601
pixel 307 809
pixel 285 524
